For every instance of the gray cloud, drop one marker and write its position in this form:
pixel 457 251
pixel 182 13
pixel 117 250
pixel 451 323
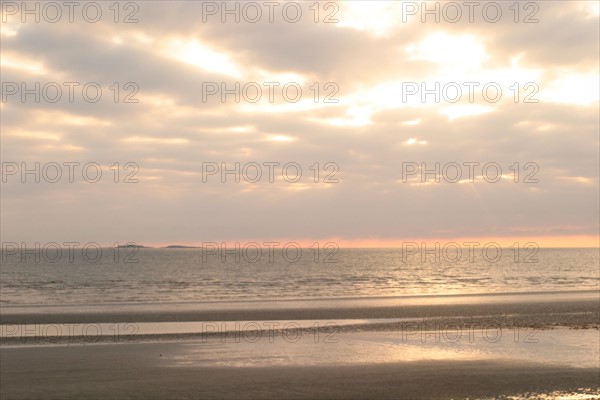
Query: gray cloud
pixel 170 141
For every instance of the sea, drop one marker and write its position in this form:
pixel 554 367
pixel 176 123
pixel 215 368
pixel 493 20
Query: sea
pixel 161 275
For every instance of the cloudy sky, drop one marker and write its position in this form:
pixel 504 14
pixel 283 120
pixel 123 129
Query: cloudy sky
pixel 361 115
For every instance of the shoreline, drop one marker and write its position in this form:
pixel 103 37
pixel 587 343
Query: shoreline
pixel 329 308
pixel 542 306
pixel 143 323
pixel 570 293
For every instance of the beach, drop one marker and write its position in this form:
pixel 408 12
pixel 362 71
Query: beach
pixel 138 371
pixel 482 346
pixel 299 200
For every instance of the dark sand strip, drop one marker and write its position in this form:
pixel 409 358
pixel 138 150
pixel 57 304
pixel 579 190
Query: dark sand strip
pixel 110 315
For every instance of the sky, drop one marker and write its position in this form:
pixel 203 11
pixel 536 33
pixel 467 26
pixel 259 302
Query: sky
pixel 372 95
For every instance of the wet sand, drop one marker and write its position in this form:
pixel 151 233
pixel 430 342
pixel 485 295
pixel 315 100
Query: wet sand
pixel 138 371
pixel 547 343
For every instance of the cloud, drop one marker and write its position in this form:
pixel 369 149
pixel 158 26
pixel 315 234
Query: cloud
pixel 175 128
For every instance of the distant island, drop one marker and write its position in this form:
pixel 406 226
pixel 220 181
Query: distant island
pixel 180 247
pixel 134 245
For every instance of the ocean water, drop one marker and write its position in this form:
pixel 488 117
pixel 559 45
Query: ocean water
pixel 188 275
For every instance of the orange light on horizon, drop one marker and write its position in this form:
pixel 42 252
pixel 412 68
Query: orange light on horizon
pixel 576 241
